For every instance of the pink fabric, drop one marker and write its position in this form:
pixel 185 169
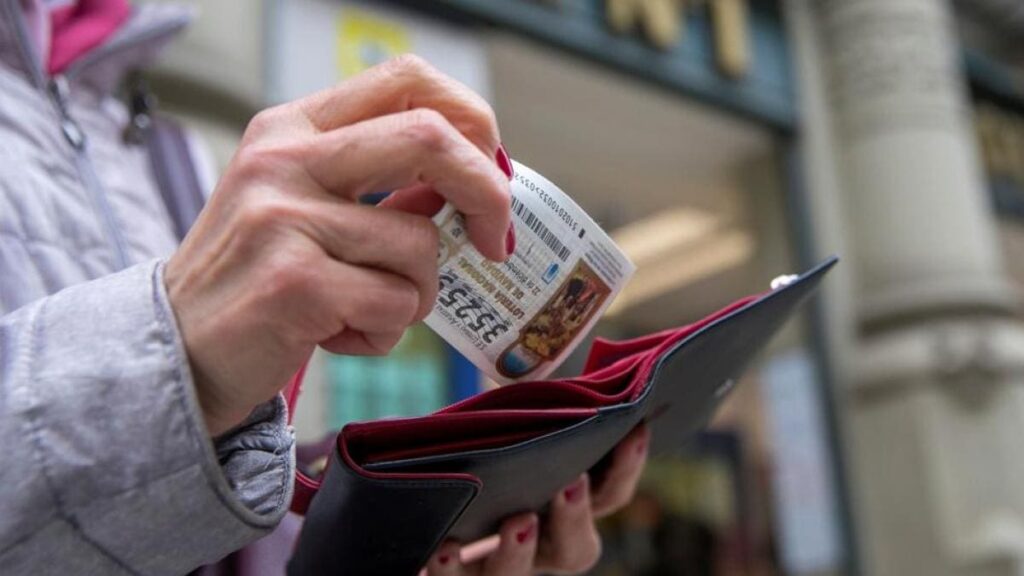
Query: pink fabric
pixel 80 27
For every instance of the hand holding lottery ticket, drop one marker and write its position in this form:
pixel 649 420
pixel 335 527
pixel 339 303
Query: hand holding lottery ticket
pixel 519 319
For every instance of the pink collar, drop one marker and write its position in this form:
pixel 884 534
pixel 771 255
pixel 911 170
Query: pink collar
pixel 79 27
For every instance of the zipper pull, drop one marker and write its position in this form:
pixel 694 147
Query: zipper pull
pixel 72 131
pixel 141 103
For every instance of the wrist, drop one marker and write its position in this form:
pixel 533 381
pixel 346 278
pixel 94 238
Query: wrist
pixel 216 415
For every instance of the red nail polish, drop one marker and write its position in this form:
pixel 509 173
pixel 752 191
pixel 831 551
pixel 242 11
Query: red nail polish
pixel 524 534
pixel 443 559
pixel 574 492
pixel 510 240
pixel 504 162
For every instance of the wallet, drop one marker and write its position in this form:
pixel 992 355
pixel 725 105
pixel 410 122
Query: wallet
pixel 395 489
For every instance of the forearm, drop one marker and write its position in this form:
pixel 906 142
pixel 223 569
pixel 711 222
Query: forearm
pixel 106 443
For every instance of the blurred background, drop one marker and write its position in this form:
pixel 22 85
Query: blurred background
pixel 723 143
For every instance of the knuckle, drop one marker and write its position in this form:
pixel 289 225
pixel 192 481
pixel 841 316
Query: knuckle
pixel 265 214
pixel 411 64
pixel 407 304
pixel 427 298
pixel 497 186
pixel 484 124
pixel 423 235
pixel 420 241
pixel 393 306
pixel 618 497
pixel 504 197
pixel 589 557
pixel 258 160
pixel 582 557
pixel 488 116
pixel 262 123
pixel 498 196
pixel 382 344
pixel 289 274
pixel 249 162
pixel 428 129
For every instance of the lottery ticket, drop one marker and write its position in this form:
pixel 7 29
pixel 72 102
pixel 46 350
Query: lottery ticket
pixel 519 319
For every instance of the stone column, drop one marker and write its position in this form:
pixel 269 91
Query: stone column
pixel 930 356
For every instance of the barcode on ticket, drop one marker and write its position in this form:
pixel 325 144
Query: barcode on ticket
pixel 538 228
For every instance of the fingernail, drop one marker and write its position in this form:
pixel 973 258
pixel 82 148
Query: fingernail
pixel 504 162
pixel 510 240
pixel 575 492
pixel 525 534
pixel 443 559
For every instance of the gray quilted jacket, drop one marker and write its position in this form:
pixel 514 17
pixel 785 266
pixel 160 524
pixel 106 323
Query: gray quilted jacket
pixel 105 466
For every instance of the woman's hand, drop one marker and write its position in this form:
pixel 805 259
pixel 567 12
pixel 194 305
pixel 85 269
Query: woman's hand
pixel 566 540
pixel 284 258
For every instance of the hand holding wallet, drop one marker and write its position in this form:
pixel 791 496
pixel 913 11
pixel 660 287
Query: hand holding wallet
pixel 395 489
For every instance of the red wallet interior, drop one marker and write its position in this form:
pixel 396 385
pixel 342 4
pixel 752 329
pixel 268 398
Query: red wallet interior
pixel 616 372
pixel 384 440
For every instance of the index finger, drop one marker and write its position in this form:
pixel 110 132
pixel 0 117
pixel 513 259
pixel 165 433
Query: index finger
pixel 398 85
pixel 415 147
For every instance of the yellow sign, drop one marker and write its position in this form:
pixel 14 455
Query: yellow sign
pixel 365 40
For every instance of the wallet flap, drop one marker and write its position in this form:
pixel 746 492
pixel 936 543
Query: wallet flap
pixel 362 522
pixel 690 380
pixel 524 476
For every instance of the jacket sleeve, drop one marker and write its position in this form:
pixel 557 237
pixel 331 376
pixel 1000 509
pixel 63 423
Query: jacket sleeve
pixel 102 438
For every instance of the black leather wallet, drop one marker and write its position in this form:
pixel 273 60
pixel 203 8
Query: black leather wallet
pixel 394 490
